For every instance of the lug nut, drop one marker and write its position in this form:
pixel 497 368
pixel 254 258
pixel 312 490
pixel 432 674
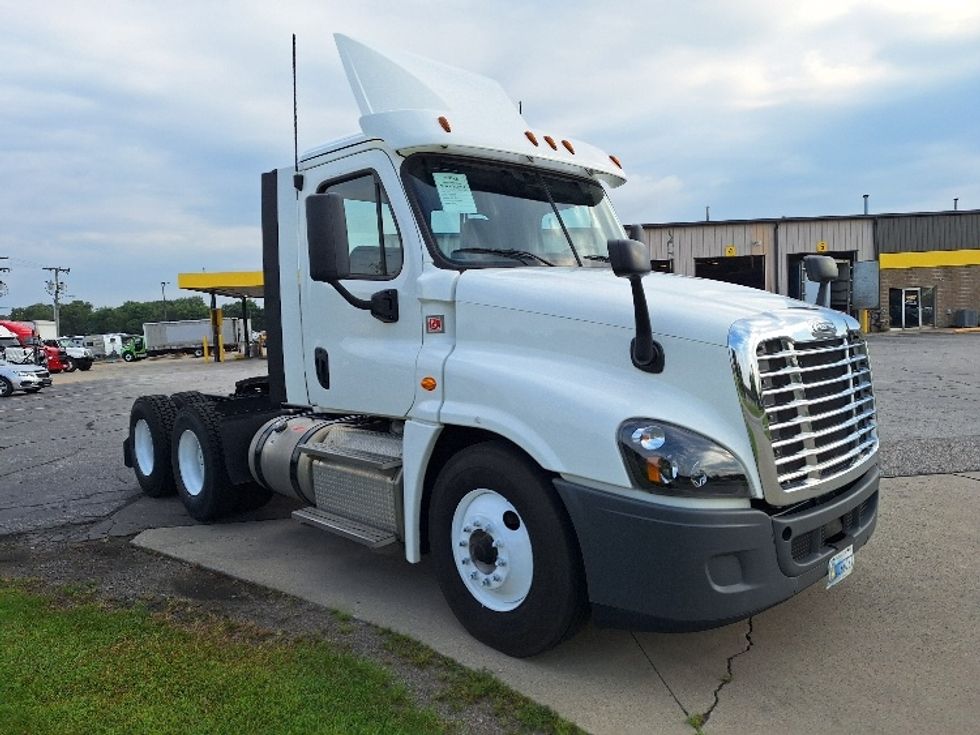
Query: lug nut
pixel 467 529
pixel 463 543
pixel 486 582
pixel 473 574
pixel 465 560
pixel 476 524
pixel 501 562
pixel 498 544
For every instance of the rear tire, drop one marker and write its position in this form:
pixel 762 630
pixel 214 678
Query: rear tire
pixel 151 423
pixel 83 366
pixel 70 365
pixel 187 397
pixel 505 553
pixel 6 388
pixel 198 463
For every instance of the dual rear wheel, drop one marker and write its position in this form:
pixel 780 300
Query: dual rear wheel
pixel 176 448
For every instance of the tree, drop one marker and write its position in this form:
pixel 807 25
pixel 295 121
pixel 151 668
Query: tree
pixel 256 314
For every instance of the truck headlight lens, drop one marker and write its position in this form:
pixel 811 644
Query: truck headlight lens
pixel 676 461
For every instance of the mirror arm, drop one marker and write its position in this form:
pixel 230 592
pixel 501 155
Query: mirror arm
pixel 383 305
pixel 645 351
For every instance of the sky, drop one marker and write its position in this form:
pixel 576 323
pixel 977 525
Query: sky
pixel 133 134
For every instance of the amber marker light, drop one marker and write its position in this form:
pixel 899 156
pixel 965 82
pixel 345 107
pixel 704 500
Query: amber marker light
pixel 615 160
pixel 428 383
pixel 551 141
pixel 531 137
pixel 568 147
pixel 445 124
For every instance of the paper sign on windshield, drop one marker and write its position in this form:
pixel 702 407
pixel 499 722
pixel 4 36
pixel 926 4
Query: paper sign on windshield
pixel 454 193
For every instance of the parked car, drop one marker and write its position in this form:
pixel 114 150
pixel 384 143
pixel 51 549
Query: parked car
pixel 28 378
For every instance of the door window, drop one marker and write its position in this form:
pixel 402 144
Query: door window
pixel 375 245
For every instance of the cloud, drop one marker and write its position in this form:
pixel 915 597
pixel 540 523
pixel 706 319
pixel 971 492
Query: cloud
pixel 134 133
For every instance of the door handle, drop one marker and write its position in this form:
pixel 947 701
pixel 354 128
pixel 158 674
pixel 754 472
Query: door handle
pixel 321 361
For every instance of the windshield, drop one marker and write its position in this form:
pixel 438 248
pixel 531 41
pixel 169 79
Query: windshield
pixel 492 214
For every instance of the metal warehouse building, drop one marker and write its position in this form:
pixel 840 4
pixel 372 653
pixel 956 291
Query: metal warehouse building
pixel 907 270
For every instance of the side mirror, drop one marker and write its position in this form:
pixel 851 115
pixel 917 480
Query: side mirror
pixel 326 235
pixel 631 259
pixel 821 269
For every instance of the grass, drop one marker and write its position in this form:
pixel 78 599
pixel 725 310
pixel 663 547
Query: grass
pixel 75 666
pixel 464 688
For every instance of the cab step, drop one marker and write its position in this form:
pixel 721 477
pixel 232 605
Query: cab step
pixel 362 533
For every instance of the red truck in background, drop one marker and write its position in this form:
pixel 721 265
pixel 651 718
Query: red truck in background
pixel 27 335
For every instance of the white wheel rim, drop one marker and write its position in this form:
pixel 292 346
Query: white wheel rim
pixel 190 461
pixel 492 550
pixel 143 445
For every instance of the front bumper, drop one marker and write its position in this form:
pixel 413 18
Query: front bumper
pixel 35 382
pixel 656 567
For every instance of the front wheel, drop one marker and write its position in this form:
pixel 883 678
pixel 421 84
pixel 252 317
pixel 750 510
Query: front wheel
pixel 129 356
pixel 70 365
pixel 505 553
pixel 6 387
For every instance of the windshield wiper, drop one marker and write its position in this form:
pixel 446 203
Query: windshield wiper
pixel 600 258
pixel 521 255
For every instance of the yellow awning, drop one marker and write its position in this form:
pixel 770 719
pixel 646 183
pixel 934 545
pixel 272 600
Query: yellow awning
pixel 232 284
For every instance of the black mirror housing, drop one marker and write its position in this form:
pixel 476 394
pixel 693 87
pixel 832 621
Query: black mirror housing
pixel 820 268
pixel 326 235
pixel 628 258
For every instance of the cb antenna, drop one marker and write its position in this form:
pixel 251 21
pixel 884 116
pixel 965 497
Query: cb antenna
pixel 297 176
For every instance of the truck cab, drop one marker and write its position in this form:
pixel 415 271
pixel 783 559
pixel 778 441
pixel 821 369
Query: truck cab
pixel 467 357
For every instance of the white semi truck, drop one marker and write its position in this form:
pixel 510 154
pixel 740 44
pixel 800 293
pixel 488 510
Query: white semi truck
pixel 461 362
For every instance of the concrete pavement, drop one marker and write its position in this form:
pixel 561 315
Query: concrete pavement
pixel 893 649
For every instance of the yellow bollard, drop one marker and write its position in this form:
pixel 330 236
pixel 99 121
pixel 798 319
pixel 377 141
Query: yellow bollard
pixel 865 318
pixel 207 353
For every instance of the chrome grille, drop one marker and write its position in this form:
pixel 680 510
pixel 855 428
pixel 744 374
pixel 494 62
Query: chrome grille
pixel 819 407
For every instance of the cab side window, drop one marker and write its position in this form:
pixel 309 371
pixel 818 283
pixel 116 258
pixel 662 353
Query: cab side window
pixel 375 245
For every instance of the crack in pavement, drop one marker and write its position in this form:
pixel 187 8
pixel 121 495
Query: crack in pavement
pixel 35 465
pixel 729 676
pixel 657 672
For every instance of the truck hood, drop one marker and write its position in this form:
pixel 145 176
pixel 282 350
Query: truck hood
pixel 680 306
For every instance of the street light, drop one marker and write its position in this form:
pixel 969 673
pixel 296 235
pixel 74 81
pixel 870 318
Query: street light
pixel 163 291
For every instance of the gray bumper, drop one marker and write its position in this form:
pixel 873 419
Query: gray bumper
pixel 658 567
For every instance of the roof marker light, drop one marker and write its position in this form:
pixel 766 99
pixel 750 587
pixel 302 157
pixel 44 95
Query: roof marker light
pixel 531 137
pixel 615 160
pixel 445 124
pixel 551 141
pixel 568 147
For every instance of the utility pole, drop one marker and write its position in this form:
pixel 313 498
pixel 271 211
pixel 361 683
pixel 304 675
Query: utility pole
pixel 56 287
pixel 163 291
pixel 3 269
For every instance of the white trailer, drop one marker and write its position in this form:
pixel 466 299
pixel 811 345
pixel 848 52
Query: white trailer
pixel 467 358
pixel 188 335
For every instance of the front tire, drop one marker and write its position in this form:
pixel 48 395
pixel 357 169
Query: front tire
pixel 505 553
pixel 70 365
pixel 198 464
pixel 129 356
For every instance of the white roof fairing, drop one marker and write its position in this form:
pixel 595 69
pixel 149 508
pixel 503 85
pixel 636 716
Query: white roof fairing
pixel 401 97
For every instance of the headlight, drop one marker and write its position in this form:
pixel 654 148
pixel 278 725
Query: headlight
pixel 668 459
pixel 27 374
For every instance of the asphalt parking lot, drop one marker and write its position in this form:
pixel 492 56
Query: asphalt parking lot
pixel 893 649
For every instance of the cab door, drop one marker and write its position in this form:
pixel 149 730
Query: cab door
pixel 353 361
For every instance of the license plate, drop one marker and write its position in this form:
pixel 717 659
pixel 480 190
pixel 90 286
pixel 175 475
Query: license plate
pixel 840 565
